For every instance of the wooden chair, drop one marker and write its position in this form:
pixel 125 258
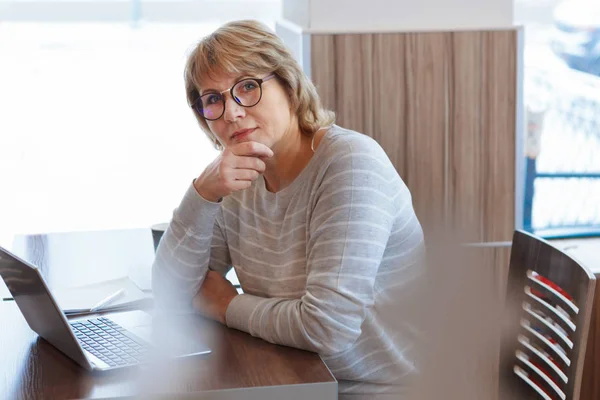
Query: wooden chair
pixel 547 314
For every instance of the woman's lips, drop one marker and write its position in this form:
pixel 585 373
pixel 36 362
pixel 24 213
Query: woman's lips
pixel 242 133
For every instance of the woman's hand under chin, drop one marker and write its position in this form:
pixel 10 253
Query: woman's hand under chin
pixel 233 170
pixel 214 297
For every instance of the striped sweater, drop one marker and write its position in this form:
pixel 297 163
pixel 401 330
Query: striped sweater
pixel 321 262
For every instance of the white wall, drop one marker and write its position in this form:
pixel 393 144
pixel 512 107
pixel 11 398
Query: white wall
pixel 296 11
pixel 397 15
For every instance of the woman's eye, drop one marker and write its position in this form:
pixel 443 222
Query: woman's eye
pixel 250 85
pixel 213 99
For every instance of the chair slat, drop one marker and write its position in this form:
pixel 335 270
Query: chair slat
pixel 527 308
pixel 525 324
pixel 551 308
pixel 555 292
pixel 525 377
pixel 527 344
pixel 525 360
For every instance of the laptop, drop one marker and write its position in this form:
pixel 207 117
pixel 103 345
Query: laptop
pixel 123 340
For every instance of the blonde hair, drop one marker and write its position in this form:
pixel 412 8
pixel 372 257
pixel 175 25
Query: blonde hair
pixel 249 47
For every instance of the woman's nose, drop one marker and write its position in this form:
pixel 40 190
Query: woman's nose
pixel 233 110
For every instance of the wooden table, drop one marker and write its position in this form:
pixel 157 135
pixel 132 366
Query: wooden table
pixel 240 366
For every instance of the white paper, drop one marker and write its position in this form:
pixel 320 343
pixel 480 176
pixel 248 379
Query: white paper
pixel 81 299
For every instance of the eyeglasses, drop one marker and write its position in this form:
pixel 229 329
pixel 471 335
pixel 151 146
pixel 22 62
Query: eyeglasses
pixel 246 92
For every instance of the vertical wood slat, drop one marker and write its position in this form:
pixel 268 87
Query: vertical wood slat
pixel 390 99
pixel 499 119
pixel 323 68
pixel 425 60
pixel 465 144
pixel 353 77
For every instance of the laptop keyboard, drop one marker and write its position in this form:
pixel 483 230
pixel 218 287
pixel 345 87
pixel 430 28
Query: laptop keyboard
pixel 110 342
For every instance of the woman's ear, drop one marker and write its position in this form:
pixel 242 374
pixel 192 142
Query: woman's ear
pixel 215 141
pixel 217 144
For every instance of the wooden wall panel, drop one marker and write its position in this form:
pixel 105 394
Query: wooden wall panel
pixel 443 106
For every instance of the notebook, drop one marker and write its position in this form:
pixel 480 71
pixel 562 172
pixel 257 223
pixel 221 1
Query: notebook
pixel 81 299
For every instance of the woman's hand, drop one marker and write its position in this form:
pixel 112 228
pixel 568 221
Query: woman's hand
pixel 233 170
pixel 214 297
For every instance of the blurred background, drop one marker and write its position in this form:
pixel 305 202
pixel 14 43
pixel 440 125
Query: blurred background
pixel 95 131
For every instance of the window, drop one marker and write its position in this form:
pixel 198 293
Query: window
pixel 562 99
pixel 95 129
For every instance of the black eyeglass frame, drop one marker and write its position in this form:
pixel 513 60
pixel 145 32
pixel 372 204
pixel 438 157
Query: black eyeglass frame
pixel 197 104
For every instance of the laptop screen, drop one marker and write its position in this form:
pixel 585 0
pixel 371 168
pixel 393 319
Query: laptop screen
pixel 37 305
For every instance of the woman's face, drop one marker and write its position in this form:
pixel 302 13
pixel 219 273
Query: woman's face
pixel 267 122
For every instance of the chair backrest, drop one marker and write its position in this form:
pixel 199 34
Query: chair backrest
pixel 547 314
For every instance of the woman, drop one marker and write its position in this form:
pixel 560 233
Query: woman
pixel 314 218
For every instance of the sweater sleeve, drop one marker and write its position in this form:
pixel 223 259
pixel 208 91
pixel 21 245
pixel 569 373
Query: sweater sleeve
pixel 193 242
pixel 357 202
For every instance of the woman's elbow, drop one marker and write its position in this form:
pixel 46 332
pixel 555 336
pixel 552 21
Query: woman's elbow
pixel 337 342
pixel 331 334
